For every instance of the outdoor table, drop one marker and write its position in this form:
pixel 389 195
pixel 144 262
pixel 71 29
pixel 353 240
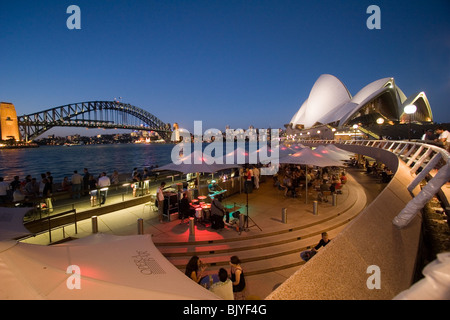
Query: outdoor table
pixel 206 280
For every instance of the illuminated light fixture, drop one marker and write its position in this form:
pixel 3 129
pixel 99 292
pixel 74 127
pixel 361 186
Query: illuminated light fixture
pixel 318 131
pixel 355 126
pixel 380 120
pixel 334 129
pixel 410 109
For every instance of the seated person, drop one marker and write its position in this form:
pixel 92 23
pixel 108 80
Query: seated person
pixel 335 185
pixel 223 288
pixel 213 187
pixel 236 221
pixel 323 187
pixel 322 243
pixel 343 178
pixel 65 185
pixel 185 208
pixel 195 269
pixel 217 213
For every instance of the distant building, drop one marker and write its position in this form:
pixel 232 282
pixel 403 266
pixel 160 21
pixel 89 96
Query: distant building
pixel 331 106
pixel 9 127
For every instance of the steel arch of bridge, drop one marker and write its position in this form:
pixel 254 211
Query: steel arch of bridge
pixel 93 114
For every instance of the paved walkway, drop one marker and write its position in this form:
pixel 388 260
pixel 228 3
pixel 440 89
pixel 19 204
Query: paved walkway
pixel 265 210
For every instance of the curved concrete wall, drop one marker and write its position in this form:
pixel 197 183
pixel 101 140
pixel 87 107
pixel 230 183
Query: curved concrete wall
pixel 371 250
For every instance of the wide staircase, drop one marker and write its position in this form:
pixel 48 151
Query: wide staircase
pixel 278 245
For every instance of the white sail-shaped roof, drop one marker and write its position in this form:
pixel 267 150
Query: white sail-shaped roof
pixel 330 102
pixel 327 94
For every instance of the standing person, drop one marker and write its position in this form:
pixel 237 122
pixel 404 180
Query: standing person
pixel 238 278
pixel 76 181
pixel 4 187
pixel 50 180
pixel 47 194
pixel 256 176
pixel 248 185
pixel 15 184
pixel 103 183
pixel 160 198
pixel 93 190
pixel 42 183
pixel 86 177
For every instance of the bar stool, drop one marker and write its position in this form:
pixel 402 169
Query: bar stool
pixel 198 214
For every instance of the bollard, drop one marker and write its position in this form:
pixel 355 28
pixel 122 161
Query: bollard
pixel 315 208
pixel 192 226
pixel 140 223
pixel 94 224
pixel 284 215
pixel 334 199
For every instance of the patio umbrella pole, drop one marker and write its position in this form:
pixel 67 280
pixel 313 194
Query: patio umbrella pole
pixel 306 184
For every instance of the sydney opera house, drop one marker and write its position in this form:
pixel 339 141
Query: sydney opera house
pixel 331 109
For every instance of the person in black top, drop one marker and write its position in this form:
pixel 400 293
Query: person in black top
pixel 238 278
pixel 185 208
pixel 322 243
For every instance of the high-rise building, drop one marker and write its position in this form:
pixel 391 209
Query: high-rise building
pixel 9 126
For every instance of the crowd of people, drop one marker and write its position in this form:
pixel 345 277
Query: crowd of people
pixel 293 178
pixel 27 191
pixel 88 185
pixel 230 286
pixel 375 168
pixel 30 190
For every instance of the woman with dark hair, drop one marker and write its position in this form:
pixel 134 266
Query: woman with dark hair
pixel 238 279
pixel 195 269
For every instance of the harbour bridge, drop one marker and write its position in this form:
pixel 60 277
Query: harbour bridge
pixel 92 114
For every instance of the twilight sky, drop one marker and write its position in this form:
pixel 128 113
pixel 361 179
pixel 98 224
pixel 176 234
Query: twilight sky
pixel 224 62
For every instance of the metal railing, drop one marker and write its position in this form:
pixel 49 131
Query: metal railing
pixel 429 166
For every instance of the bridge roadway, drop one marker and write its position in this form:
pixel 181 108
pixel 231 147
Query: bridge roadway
pixel 269 256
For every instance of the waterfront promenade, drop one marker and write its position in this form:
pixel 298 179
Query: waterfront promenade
pixel 269 256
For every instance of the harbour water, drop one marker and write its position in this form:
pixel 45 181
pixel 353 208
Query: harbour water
pixel 61 161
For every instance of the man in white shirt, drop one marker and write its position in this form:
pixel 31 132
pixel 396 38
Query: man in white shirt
pixel 4 187
pixel 103 183
pixel 223 288
pixel 444 137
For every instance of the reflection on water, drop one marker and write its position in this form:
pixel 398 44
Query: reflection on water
pixel 62 161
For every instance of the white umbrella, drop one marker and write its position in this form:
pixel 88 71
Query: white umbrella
pixel 331 153
pixel 106 267
pixel 196 162
pixel 11 223
pixel 306 156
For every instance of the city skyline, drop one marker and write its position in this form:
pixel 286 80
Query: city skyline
pixel 236 63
